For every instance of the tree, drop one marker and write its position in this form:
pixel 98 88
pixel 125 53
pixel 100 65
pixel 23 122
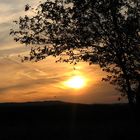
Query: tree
pixel 104 32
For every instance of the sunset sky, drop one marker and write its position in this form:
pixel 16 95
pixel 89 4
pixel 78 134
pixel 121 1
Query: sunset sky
pixel 44 80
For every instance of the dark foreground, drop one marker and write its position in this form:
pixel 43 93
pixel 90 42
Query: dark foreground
pixel 57 120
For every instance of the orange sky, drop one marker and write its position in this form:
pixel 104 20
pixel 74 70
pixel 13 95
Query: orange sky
pixel 21 82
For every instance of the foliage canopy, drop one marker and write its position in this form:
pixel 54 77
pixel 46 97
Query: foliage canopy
pixel 104 32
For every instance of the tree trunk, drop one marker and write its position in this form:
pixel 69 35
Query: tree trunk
pixel 138 99
pixel 129 92
pixel 137 109
pixel 120 53
pixel 138 96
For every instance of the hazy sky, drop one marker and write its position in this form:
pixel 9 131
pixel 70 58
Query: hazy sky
pixel 20 82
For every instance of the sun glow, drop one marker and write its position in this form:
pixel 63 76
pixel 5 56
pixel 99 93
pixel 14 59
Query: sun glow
pixel 75 82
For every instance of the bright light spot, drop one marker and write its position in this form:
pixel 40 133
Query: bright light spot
pixel 75 82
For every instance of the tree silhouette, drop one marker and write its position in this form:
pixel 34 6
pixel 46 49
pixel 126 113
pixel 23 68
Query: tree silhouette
pixel 104 32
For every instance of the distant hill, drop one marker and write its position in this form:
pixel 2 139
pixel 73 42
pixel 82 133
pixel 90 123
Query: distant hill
pixel 60 120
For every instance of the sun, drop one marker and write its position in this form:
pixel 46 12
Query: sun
pixel 75 82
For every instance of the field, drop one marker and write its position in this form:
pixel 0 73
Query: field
pixel 68 121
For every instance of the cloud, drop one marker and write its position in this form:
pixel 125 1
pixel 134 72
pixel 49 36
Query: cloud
pixel 30 84
pixel 11 10
pixel 17 76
